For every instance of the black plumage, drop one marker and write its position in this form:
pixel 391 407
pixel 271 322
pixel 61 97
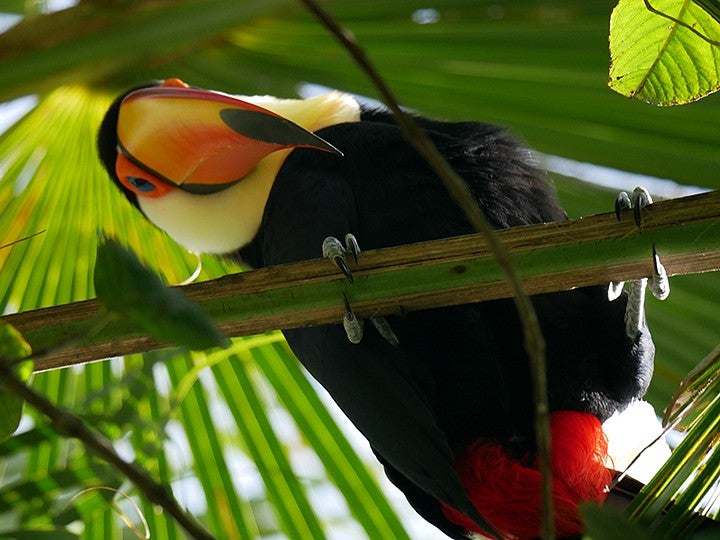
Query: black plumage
pixel 459 373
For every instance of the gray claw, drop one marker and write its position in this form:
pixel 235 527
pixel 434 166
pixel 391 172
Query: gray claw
pixel 382 326
pixel 340 262
pixel 659 282
pixel 353 326
pixel 615 289
pixel 659 285
pixel 332 249
pixel 639 200
pixel 622 202
pixel 351 246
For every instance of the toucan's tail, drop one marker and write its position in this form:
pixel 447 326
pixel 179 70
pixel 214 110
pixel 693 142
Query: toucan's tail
pixel 506 490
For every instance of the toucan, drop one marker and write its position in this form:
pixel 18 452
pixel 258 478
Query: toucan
pixel 444 397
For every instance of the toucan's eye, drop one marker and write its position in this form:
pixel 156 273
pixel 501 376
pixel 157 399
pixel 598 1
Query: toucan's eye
pixel 138 180
pixel 140 184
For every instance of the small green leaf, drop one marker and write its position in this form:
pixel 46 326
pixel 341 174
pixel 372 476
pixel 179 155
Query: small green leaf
pixel 12 348
pixel 666 55
pixel 127 288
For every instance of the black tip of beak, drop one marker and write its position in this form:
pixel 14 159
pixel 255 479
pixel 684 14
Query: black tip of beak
pixel 272 129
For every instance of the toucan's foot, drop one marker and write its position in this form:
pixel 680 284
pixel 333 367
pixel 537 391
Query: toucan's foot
pixel 622 202
pixel 615 289
pixel 639 200
pixel 353 326
pixel 635 309
pixel 382 326
pixel 333 249
pixel 658 283
pixel 351 245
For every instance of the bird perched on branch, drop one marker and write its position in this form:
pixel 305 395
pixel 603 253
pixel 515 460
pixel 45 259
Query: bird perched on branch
pixel 443 395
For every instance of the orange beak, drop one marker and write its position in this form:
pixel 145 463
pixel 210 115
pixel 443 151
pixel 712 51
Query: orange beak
pixel 198 140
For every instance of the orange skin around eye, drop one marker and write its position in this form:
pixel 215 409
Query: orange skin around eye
pixel 125 169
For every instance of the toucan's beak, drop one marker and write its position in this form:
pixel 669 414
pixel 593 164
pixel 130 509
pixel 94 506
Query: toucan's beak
pixel 201 140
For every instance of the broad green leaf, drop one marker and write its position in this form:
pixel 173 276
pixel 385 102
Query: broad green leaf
pixel 665 52
pixel 12 348
pixel 127 288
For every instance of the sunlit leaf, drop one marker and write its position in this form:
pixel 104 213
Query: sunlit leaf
pixel 664 51
pixel 127 288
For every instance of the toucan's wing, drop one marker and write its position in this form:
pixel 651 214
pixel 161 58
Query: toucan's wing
pixel 423 503
pixel 373 385
pixel 385 391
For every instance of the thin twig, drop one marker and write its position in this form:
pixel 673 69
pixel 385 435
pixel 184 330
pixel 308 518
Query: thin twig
pixel 23 239
pixel 534 342
pixel 69 425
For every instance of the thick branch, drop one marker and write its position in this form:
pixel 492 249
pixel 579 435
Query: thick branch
pixel 553 257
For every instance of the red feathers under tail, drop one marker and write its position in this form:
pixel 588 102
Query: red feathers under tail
pixel 507 492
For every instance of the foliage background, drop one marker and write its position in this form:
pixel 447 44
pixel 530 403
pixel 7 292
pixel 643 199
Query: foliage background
pixel 245 441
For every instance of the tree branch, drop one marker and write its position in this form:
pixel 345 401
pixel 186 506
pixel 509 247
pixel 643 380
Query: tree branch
pixel 554 257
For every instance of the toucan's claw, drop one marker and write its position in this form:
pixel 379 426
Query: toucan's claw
pixel 639 200
pixel 659 282
pixel 615 289
pixel 332 249
pixel 622 202
pixel 353 326
pixel 351 245
pixel 382 326
pixel 340 262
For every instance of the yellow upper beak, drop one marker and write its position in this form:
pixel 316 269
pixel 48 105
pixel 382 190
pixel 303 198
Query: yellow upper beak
pixel 198 139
